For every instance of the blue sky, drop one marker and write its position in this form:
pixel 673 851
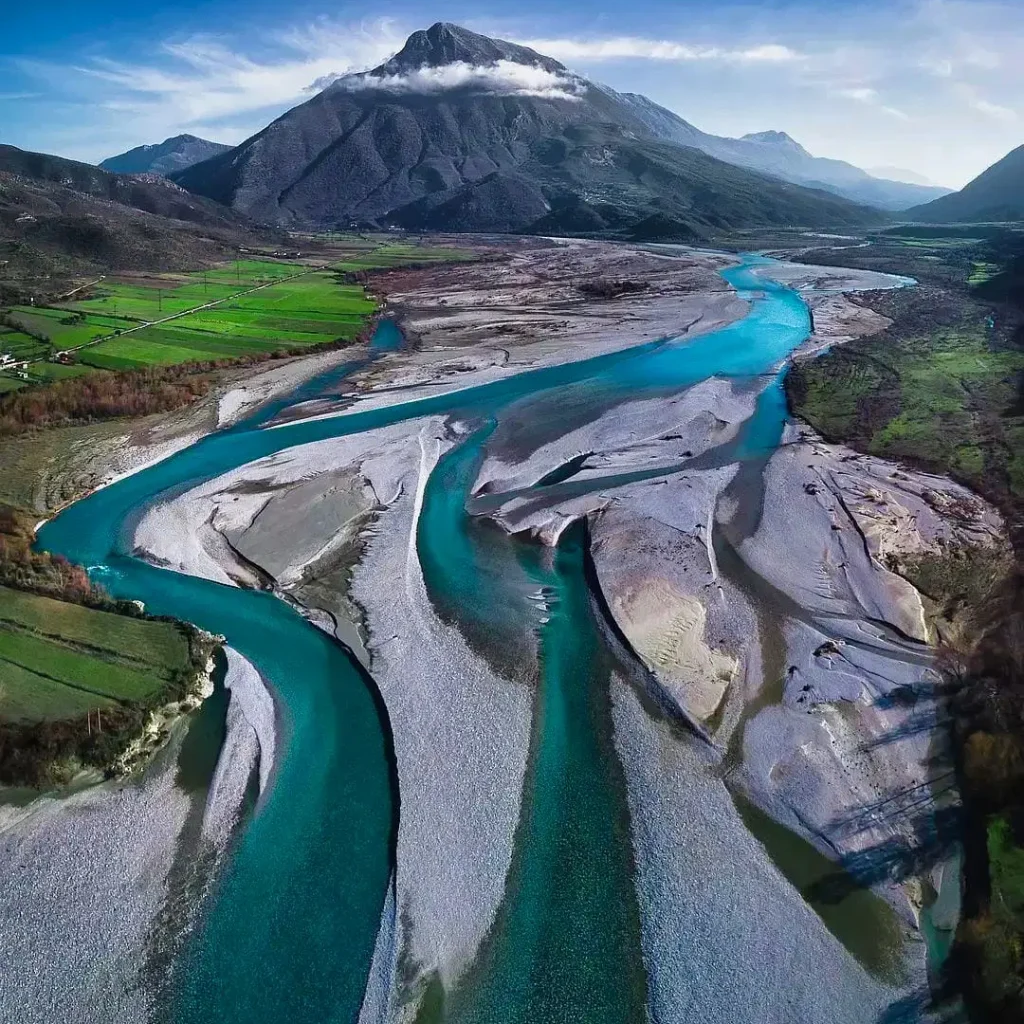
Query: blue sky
pixel 932 86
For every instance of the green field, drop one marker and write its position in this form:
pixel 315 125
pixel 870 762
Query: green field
pixel 292 307
pixel 399 254
pixel 941 400
pixel 299 312
pixel 21 346
pixel 937 243
pixel 982 271
pixel 60 660
pixel 260 307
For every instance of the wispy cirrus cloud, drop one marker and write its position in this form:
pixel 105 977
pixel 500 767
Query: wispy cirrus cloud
pixel 203 78
pixel 975 100
pixel 994 110
pixel 637 48
pixel 870 96
pixel 203 84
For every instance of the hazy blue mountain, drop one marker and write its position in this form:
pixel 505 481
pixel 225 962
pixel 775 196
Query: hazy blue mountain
pixel 464 132
pixel 778 154
pixel 165 157
pixel 900 174
pixel 996 194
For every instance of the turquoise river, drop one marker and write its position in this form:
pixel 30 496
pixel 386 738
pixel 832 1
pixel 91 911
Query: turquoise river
pixel 288 933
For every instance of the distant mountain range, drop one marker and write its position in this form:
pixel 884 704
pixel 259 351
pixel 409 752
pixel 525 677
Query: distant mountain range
pixel 901 174
pixel 996 194
pixel 778 154
pixel 462 132
pixel 165 157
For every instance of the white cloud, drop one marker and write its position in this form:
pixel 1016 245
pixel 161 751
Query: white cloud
pixel 862 94
pixel 994 110
pixel 201 79
pixel 974 99
pixel 504 77
pixel 200 84
pixel 866 94
pixel 633 47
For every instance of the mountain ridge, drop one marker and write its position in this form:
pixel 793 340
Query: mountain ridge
pixel 996 194
pixel 56 213
pixel 164 158
pixel 777 153
pixel 464 132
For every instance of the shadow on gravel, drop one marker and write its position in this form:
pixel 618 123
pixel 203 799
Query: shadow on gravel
pixel 926 840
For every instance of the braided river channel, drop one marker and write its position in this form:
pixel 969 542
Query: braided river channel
pixel 289 929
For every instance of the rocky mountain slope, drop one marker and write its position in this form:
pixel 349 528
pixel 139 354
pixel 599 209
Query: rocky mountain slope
pixel 996 194
pixel 59 217
pixel 462 132
pixel 174 154
pixel 778 154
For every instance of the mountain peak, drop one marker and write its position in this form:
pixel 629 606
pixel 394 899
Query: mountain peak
pixel 778 139
pixel 162 158
pixel 446 43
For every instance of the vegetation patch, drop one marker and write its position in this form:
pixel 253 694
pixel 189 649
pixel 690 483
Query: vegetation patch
pixel 77 682
pixel 249 307
pixel 944 401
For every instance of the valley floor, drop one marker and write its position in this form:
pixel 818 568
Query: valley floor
pixel 767 648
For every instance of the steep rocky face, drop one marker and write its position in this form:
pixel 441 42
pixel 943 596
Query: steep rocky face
pixel 464 132
pixel 166 157
pixel 445 43
pixel 996 194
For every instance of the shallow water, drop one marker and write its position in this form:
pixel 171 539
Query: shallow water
pixel 291 927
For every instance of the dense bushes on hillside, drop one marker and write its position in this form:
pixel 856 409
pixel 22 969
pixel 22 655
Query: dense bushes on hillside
pixel 988 721
pixel 98 396
pixel 24 568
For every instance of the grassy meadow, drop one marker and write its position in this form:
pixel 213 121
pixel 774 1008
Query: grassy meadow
pixel 248 307
pixel 60 660
pixel 938 400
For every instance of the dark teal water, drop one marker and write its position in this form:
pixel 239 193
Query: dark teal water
pixel 292 925
pixel 566 944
